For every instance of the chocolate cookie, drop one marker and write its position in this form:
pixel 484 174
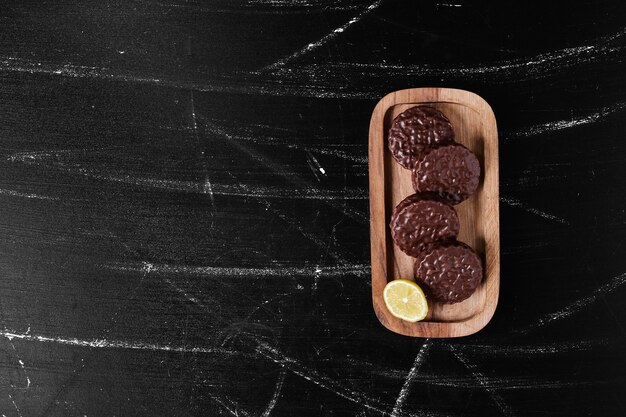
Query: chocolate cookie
pixel 451 171
pixel 416 129
pixel 419 220
pixel 448 272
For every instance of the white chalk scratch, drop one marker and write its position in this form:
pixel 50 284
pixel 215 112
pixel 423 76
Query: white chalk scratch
pixel 258 134
pixel 317 82
pixel 577 305
pixel 558 125
pixel 21 362
pixel 260 158
pixel 316 279
pixel 535 176
pixel 44 158
pixel 274 7
pixel 189 297
pixel 214 128
pixel 315 165
pixel 484 382
pixel 194 122
pixel 264 304
pixel 516 203
pixel 325 39
pixel 532 67
pixel 13 193
pixel 231 407
pixel 404 391
pixel 114 344
pixel 19 413
pixel 207 187
pixel 312 376
pixel 499 383
pixel 335 152
pixel 307 4
pixel 275 271
pixel 20 65
pixel 149 267
pixel 250 83
pixel 540 349
pixel 276 395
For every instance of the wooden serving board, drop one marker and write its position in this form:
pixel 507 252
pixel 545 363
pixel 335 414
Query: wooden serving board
pixel 475 127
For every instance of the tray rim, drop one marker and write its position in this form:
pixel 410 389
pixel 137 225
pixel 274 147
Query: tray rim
pixel 376 166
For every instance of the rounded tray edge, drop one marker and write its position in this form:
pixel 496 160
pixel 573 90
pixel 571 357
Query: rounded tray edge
pixel 480 319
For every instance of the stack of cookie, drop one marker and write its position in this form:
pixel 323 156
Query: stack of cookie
pixel 425 225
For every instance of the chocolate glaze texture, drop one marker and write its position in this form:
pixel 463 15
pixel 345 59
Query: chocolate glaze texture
pixel 420 220
pixel 415 130
pixel 451 171
pixel 448 272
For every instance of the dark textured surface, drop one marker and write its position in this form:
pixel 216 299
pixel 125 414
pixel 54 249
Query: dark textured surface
pixel 449 271
pixel 184 213
pixel 417 221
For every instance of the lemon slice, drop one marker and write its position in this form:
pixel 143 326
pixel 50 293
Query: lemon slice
pixel 405 300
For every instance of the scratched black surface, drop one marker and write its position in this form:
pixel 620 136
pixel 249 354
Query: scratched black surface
pixel 184 207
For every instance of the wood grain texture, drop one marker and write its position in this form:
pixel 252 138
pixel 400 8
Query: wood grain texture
pixel 475 127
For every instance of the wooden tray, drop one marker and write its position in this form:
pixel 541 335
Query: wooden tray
pixel 475 127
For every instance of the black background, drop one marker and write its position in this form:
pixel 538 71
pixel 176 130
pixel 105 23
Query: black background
pixel 170 246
